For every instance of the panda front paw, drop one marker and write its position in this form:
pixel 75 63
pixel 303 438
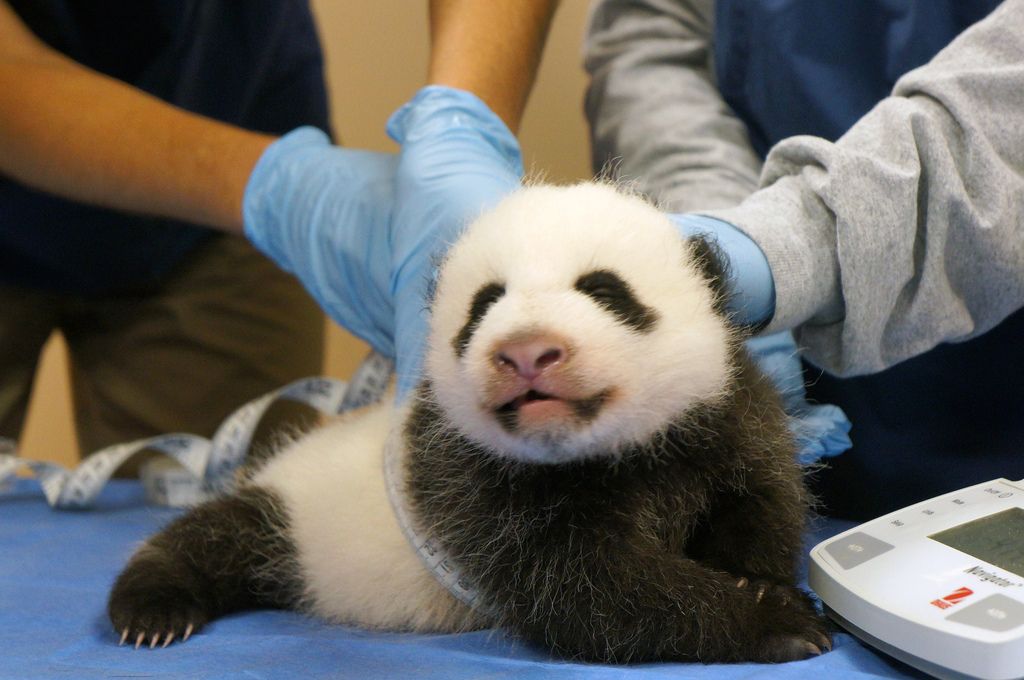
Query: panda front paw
pixel 148 607
pixel 156 617
pixel 792 627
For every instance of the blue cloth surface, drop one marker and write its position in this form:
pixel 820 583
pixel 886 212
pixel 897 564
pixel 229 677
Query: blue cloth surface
pixel 57 567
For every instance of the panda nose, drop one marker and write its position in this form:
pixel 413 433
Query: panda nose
pixel 529 357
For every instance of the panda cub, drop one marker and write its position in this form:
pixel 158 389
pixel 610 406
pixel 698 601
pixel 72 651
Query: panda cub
pixel 590 443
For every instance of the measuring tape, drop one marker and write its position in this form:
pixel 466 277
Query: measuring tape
pixel 430 551
pixel 204 467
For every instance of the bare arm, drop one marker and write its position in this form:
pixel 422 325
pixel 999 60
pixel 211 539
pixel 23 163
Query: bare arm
pixel 79 134
pixel 491 49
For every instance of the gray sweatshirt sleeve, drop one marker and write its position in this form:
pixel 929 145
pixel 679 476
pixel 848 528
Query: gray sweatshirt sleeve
pixel 656 117
pixel 909 231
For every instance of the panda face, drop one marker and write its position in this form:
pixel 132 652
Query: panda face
pixel 570 322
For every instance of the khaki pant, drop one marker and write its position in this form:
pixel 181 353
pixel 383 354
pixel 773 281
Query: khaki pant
pixel 224 328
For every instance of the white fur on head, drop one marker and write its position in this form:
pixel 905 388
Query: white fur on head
pixel 537 243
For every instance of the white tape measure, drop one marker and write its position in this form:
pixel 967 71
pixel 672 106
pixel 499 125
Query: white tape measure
pixel 430 551
pixel 204 467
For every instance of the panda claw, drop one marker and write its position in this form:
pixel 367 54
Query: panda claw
pixel 124 636
pixel 139 639
pixel 188 632
pixel 168 640
pixel 742 583
pixel 154 640
pixel 824 642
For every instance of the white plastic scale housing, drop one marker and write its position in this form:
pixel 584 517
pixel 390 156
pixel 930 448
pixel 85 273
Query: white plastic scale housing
pixel 952 612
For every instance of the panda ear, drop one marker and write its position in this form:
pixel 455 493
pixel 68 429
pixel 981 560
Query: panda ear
pixel 713 265
pixel 711 262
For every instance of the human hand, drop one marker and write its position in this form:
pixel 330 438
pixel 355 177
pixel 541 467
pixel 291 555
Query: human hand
pixel 458 158
pixel 750 283
pixel 323 213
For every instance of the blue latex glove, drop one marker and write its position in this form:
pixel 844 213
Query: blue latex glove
pixel 821 430
pixel 750 277
pixel 458 159
pixel 323 213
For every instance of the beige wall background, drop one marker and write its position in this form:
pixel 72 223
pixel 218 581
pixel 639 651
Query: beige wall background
pixel 376 58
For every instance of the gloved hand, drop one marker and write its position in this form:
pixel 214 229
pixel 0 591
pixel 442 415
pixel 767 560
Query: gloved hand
pixel 821 430
pixel 323 213
pixel 458 159
pixel 750 277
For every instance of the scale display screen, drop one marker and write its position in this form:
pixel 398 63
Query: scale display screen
pixel 997 539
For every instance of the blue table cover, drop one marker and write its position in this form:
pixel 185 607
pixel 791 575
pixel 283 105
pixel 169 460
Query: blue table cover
pixel 56 568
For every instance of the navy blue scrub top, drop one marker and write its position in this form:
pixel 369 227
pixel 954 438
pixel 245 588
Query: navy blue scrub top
pixel 955 415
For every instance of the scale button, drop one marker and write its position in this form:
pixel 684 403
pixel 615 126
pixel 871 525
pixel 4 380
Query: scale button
pixel 997 613
pixel 857 548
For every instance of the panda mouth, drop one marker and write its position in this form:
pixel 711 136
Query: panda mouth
pixel 530 397
pixel 536 408
pixel 508 413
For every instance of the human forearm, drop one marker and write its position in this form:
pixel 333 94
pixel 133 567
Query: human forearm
pixel 491 49
pixel 74 132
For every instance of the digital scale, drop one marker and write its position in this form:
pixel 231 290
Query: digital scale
pixel 938 585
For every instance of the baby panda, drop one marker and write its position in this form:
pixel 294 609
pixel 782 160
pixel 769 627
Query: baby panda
pixel 590 444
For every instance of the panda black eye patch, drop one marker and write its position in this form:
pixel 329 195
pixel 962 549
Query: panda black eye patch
pixel 609 291
pixel 482 301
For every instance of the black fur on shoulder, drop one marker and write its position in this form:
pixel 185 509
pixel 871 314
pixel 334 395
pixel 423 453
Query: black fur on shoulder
pixel 684 547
